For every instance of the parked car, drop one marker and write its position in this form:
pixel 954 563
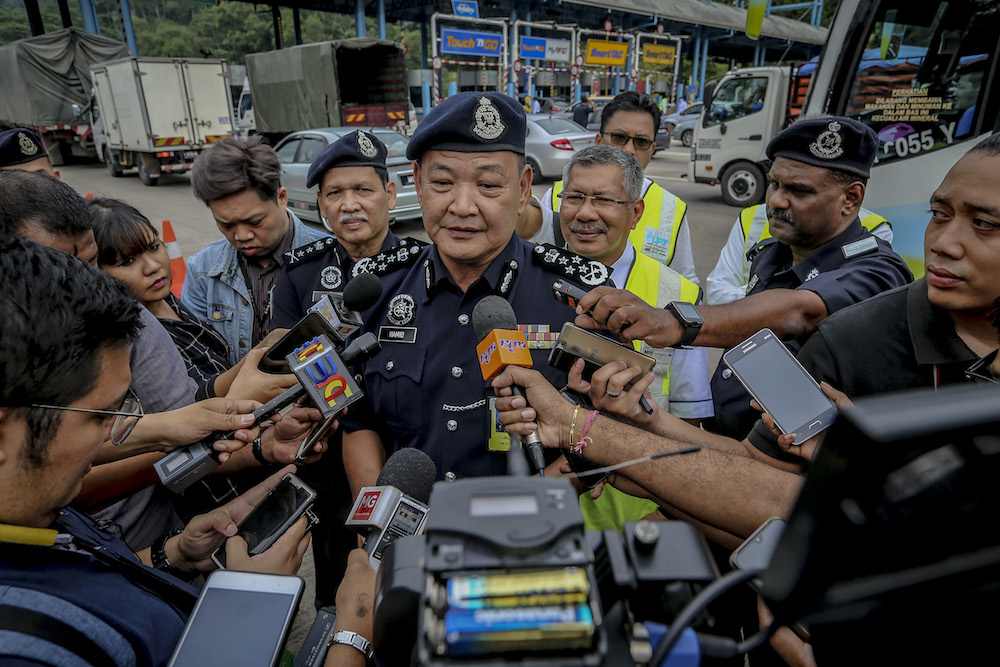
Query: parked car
pixel 550 142
pixel 553 105
pixel 682 123
pixel 298 150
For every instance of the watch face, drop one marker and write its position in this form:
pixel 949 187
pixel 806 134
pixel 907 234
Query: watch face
pixel 688 311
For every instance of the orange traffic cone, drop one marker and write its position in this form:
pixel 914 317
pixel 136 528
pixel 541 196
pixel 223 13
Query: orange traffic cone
pixel 178 269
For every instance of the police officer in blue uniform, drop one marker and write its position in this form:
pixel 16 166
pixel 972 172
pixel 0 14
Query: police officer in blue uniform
pixel 355 196
pixel 425 387
pixel 819 260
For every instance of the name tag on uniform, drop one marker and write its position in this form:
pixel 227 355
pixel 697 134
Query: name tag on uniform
pixel 397 334
pixel 859 247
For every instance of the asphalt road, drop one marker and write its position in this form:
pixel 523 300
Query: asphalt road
pixel 171 199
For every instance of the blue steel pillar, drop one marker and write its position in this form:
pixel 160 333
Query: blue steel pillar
pixel 89 13
pixel 513 82
pixel 696 65
pixel 704 66
pixel 380 8
pixel 359 18
pixel 126 15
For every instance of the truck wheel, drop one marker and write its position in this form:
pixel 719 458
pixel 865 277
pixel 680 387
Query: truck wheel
pixel 536 172
pixel 145 174
pixel 111 162
pixel 687 138
pixel 743 184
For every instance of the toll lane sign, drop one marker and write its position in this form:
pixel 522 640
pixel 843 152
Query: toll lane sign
pixel 603 52
pixel 467 8
pixel 658 54
pixel 470 43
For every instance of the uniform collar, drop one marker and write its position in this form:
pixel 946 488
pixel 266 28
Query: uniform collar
pixel 489 281
pixel 932 331
pixel 831 250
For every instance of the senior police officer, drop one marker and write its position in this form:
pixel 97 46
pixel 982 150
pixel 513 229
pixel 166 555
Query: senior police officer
pixel 21 148
pixel 355 196
pixel 820 259
pixel 426 389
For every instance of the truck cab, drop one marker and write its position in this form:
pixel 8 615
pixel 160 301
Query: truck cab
pixel 748 107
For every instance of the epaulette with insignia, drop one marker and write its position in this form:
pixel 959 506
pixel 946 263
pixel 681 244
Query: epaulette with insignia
pixel 393 259
pixel 568 264
pixel 309 251
pixel 754 251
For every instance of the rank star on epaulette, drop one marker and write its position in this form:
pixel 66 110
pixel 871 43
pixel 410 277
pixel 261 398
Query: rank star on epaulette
pixel 309 250
pixel 389 260
pixel 589 272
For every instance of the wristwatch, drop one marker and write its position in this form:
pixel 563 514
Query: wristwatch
pixel 258 450
pixel 158 556
pixel 355 640
pixel 690 319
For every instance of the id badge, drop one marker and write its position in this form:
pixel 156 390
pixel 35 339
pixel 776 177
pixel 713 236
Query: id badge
pixel 499 440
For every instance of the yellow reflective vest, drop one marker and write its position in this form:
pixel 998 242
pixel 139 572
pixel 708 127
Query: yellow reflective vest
pixel 753 220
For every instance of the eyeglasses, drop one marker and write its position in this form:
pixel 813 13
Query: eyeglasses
pixel 621 139
pixel 126 416
pixel 982 371
pixel 574 200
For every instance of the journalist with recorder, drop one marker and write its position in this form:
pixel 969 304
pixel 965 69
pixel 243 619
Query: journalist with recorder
pixel 70 586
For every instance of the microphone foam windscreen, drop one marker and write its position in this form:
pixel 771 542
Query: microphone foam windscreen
pixel 362 292
pixel 492 312
pixel 411 471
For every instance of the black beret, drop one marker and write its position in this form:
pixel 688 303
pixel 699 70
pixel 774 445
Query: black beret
pixel 357 149
pixel 833 142
pixel 472 122
pixel 20 145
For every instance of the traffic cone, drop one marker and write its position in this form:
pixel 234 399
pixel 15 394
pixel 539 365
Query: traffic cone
pixel 178 269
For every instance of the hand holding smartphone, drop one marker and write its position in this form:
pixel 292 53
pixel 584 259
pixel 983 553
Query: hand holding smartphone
pixel 779 383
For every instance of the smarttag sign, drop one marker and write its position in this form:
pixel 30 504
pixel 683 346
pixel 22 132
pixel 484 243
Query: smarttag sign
pixel 658 54
pixel 470 43
pixel 541 48
pixel 467 8
pixel 603 52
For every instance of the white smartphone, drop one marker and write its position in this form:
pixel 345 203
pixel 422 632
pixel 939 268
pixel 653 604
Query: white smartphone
pixel 773 376
pixel 241 618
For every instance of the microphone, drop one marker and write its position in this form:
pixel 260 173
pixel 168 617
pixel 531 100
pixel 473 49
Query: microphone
pixel 397 505
pixel 501 345
pixel 342 310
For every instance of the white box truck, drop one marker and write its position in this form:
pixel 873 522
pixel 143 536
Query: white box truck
pixel 158 114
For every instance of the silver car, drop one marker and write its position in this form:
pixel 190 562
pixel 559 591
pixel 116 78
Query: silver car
pixel 681 123
pixel 298 150
pixel 549 144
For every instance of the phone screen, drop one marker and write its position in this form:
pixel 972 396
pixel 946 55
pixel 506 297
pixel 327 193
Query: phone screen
pixel 272 512
pixel 235 627
pixel 779 383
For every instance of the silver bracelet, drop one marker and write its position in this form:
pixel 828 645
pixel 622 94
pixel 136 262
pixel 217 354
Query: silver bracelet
pixel 355 640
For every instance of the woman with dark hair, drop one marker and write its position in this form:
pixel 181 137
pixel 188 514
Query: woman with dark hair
pixel 130 249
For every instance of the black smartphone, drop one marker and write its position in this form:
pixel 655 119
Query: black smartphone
pixel 241 618
pixel 756 551
pixel 305 329
pixel 776 379
pixel 271 517
pixel 567 293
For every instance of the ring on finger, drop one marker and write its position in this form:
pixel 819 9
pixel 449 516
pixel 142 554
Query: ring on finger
pixel 613 394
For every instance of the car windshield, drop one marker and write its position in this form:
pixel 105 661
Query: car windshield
pixel 394 142
pixel 558 125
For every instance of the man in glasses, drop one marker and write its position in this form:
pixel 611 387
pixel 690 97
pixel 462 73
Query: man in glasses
pixel 630 122
pixel 601 204
pixel 819 259
pixel 69 586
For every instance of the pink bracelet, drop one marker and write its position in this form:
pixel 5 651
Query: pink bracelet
pixel 584 440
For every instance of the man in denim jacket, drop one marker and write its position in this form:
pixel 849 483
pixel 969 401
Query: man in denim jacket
pixel 229 282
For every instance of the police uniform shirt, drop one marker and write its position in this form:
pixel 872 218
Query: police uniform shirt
pixel 425 387
pixel 316 268
pixel 847 269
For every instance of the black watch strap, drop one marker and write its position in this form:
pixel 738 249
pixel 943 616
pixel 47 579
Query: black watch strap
pixel 158 556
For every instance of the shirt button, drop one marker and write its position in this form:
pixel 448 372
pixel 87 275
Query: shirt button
pixel 456 371
pixel 243 343
pixel 463 319
pixel 452 425
pixel 389 365
pixel 450 476
pixel 726 373
pixel 245 302
pixel 216 315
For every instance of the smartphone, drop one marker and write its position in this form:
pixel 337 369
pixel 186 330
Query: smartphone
pixel 271 517
pixel 241 618
pixel 305 329
pixel 567 294
pixel 756 551
pixel 775 378
pixel 595 350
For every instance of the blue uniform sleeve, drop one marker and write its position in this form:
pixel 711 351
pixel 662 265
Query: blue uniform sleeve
pixel 285 307
pixel 858 280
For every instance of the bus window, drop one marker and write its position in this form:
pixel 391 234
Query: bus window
pixel 736 98
pixel 919 82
